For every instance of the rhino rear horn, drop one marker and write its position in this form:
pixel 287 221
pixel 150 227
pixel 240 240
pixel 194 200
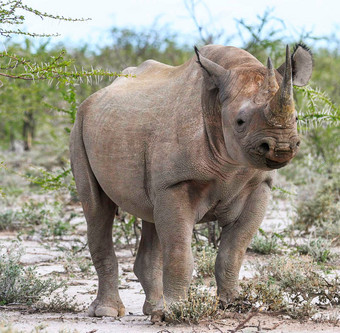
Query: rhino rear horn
pixel 269 86
pixel 302 65
pixel 214 74
pixel 272 85
pixel 281 106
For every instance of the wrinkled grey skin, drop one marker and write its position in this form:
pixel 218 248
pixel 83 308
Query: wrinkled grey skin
pixel 177 146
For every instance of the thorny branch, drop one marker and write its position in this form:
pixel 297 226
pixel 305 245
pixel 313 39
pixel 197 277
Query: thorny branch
pixel 9 15
pixel 55 69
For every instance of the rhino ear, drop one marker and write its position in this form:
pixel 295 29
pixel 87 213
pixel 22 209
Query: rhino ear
pixel 214 74
pixel 302 65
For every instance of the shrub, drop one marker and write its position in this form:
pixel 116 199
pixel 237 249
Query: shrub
pixel 6 220
pixel 61 302
pixel 49 217
pixel 123 227
pixel 77 261
pixel 255 293
pixel 205 261
pixel 21 285
pixel 319 249
pixel 201 304
pixel 322 211
pixel 291 285
pixel 265 243
pixel 34 213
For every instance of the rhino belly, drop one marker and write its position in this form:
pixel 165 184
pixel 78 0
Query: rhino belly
pixel 123 181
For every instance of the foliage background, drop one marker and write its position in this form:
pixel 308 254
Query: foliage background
pixel 42 84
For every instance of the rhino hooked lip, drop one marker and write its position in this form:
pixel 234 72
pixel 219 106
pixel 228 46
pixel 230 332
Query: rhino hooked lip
pixel 269 153
pixel 274 164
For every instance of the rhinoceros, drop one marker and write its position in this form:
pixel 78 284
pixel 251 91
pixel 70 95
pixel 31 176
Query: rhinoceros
pixel 176 146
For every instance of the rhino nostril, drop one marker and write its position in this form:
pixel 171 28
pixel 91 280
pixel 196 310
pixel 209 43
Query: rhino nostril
pixel 263 148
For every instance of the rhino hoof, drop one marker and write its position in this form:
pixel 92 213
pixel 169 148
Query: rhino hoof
pixel 157 316
pixel 223 305
pixel 149 307
pixel 97 310
pixel 226 302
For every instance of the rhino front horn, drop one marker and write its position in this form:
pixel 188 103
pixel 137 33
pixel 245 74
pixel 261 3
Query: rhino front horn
pixel 281 106
pixel 286 88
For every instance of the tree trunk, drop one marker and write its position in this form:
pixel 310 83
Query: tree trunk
pixel 28 130
pixel 11 139
pixel 212 234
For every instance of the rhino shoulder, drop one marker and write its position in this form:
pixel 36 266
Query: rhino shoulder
pixel 151 68
pixel 129 71
pixel 125 74
pixel 147 69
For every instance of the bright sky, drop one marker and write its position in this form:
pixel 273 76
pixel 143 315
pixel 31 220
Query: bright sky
pixel 320 17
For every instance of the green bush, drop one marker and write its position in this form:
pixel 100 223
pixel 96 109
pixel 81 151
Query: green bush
pixel 265 243
pixel 6 220
pixel 19 284
pixel 47 219
pixel 22 285
pixel 321 213
pixel 319 249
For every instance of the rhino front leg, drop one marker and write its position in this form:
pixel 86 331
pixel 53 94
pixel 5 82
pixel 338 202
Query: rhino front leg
pixel 149 266
pixel 235 238
pixel 99 216
pixel 174 221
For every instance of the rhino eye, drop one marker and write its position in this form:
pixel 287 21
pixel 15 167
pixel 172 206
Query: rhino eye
pixel 240 122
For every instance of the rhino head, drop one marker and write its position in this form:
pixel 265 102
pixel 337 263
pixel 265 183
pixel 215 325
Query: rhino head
pixel 256 106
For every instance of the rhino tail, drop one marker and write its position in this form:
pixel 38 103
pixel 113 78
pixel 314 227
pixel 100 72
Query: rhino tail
pixel 87 185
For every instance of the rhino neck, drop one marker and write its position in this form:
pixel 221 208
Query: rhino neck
pixel 212 121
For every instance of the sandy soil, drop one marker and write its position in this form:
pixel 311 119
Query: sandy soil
pixel 48 258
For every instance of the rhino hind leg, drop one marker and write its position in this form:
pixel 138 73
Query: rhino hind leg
pixel 149 267
pixel 99 211
pixel 99 216
pixel 99 232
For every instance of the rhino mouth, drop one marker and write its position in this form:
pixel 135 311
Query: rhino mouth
pixel 275 165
